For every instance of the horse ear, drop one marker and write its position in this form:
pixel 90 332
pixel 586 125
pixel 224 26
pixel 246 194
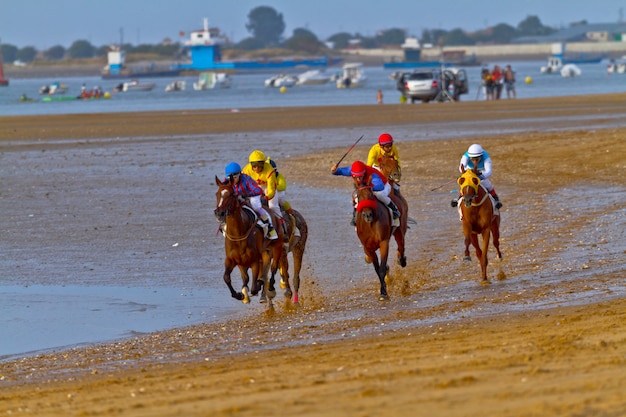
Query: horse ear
pixel 217 181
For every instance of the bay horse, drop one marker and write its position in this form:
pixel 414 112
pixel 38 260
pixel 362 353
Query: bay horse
pixel 479 216
pixel 295 245
pixel 245 245
pixel 374 229
pixel 391 169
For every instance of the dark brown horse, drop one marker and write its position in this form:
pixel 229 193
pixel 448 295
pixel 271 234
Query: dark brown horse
pixel 479 216
pixel 373 227
pixel 245 245
pixel 295 245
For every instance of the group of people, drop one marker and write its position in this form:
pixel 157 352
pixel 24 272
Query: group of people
pixel 260 179
pixel 494 81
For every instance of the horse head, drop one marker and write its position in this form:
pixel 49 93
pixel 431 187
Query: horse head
pixel 366 202
pixel 390 168
pixel 227 201
pixel 469 183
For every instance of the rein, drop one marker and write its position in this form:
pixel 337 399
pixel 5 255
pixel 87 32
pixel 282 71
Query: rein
pixel 481 201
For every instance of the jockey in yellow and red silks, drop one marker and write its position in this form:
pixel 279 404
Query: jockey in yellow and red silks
pixel 384 147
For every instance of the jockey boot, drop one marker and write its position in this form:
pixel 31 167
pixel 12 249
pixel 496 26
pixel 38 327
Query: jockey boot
pixel 271 232
pixel 495 197
pixel 395 212
pixel 353 221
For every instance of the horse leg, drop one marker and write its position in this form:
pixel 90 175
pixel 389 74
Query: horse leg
pixel 466 254
pixel 283 269
pixel 236 295
pixel 244 281
pixel 383 269
pixel 484 261
pixel 298 254
pixel 495 230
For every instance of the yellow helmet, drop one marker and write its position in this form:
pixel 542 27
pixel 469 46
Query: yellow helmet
pixel 257 156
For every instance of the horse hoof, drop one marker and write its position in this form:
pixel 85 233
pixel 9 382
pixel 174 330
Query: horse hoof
pixel 368 259
pixel 288 293
pixel 467 258
pixel 246 297
pixel 283 284
pixel 402 261
pixel 383 297
pixel 485 282
pixel 263 299
pixel 271 294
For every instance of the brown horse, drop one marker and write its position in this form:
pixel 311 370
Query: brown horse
pixel 373 227
pixel 295 245
pixel 479 217
pixel 390 167
pixel 246 246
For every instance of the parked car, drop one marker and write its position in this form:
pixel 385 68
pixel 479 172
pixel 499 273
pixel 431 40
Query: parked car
pixel 429 84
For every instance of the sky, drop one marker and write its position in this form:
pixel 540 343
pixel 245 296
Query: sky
pixel 46 23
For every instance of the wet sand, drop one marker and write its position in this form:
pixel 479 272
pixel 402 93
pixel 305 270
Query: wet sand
pixel 547 337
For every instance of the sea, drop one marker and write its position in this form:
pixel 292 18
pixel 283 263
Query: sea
pixel 249 91
pixel 52 315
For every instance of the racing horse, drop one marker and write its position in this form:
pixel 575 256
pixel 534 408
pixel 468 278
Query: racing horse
pixel 391 169
pixel 245 245
pixel 479 216
pixel 296 245
pixel 374 229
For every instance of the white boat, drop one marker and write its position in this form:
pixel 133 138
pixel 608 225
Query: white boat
pixel 570 70
pixel 281 80
pixel 352 76
pixel 616 66
pixel 54 88
pixel 553 67
pixel 210 80
pixel 134 85
pixel 313 77
pixel 176 86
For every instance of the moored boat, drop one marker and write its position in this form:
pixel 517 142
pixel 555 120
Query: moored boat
pixel 353 76
pixel 209 80
pixel 134 85
pixel 54 88
pixel 281 80
pixel 176 86
pixel 313 77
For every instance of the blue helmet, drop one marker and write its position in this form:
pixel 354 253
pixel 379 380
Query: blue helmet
pixel 232 169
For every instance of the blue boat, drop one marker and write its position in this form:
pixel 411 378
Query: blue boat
pixel 412 58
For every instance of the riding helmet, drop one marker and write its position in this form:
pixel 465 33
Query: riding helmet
pixel 257 156
pixel 385 139
pixel 475 151
pixel 232 168
pixel 357 169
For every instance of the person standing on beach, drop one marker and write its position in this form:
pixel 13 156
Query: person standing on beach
pixel 509 82
pixel 498 82
pixel 379 97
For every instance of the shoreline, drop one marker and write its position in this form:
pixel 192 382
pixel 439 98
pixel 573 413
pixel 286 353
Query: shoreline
pixel 342 351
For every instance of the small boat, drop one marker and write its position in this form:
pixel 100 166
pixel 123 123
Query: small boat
pixel 313 77
pixel 54 88
pixel 176 86
pixel 209 80
pixel 616 66
pixel 553 67
pixel 353 76
pixel 570 70
pixel 134 85
pixel 281 80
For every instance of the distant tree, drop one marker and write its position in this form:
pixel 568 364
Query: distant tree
pixel 81 49
pixel 250 44
pixel 26 54
pixel 340 40
pixel 303 40
pixel 55 53
pixel 265 24
pixel 503 33
pixel 532 26
pixel 9 52
pixel 433 36
pixel 456 37
pixel 101 51
pixel 391 37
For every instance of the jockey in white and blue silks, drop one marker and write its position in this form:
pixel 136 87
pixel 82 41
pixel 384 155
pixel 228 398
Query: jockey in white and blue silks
pixel 477 157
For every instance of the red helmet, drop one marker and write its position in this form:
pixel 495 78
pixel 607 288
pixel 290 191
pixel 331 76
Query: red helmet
pixel 357 169
pixel 385 139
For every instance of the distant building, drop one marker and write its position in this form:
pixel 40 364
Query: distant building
pixel 595 32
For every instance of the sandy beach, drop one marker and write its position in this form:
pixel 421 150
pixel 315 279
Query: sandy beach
pixel 546 337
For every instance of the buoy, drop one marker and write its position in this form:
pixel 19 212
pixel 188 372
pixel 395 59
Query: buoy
pixel 528 80
pixel 107 95
pixel 283 89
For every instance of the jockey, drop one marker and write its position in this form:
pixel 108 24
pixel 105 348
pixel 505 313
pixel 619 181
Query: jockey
pixel 384 147
pixel 281 188
pixel 246 187
pixel 477 157
pixel 260 170
pixel 363 174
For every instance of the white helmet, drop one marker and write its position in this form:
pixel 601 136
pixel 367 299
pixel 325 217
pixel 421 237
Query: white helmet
pixel 475 151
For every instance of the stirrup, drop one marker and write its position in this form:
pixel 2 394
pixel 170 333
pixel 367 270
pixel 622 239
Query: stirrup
pixel 272 235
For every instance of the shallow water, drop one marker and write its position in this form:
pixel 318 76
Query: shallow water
pixel 249 91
